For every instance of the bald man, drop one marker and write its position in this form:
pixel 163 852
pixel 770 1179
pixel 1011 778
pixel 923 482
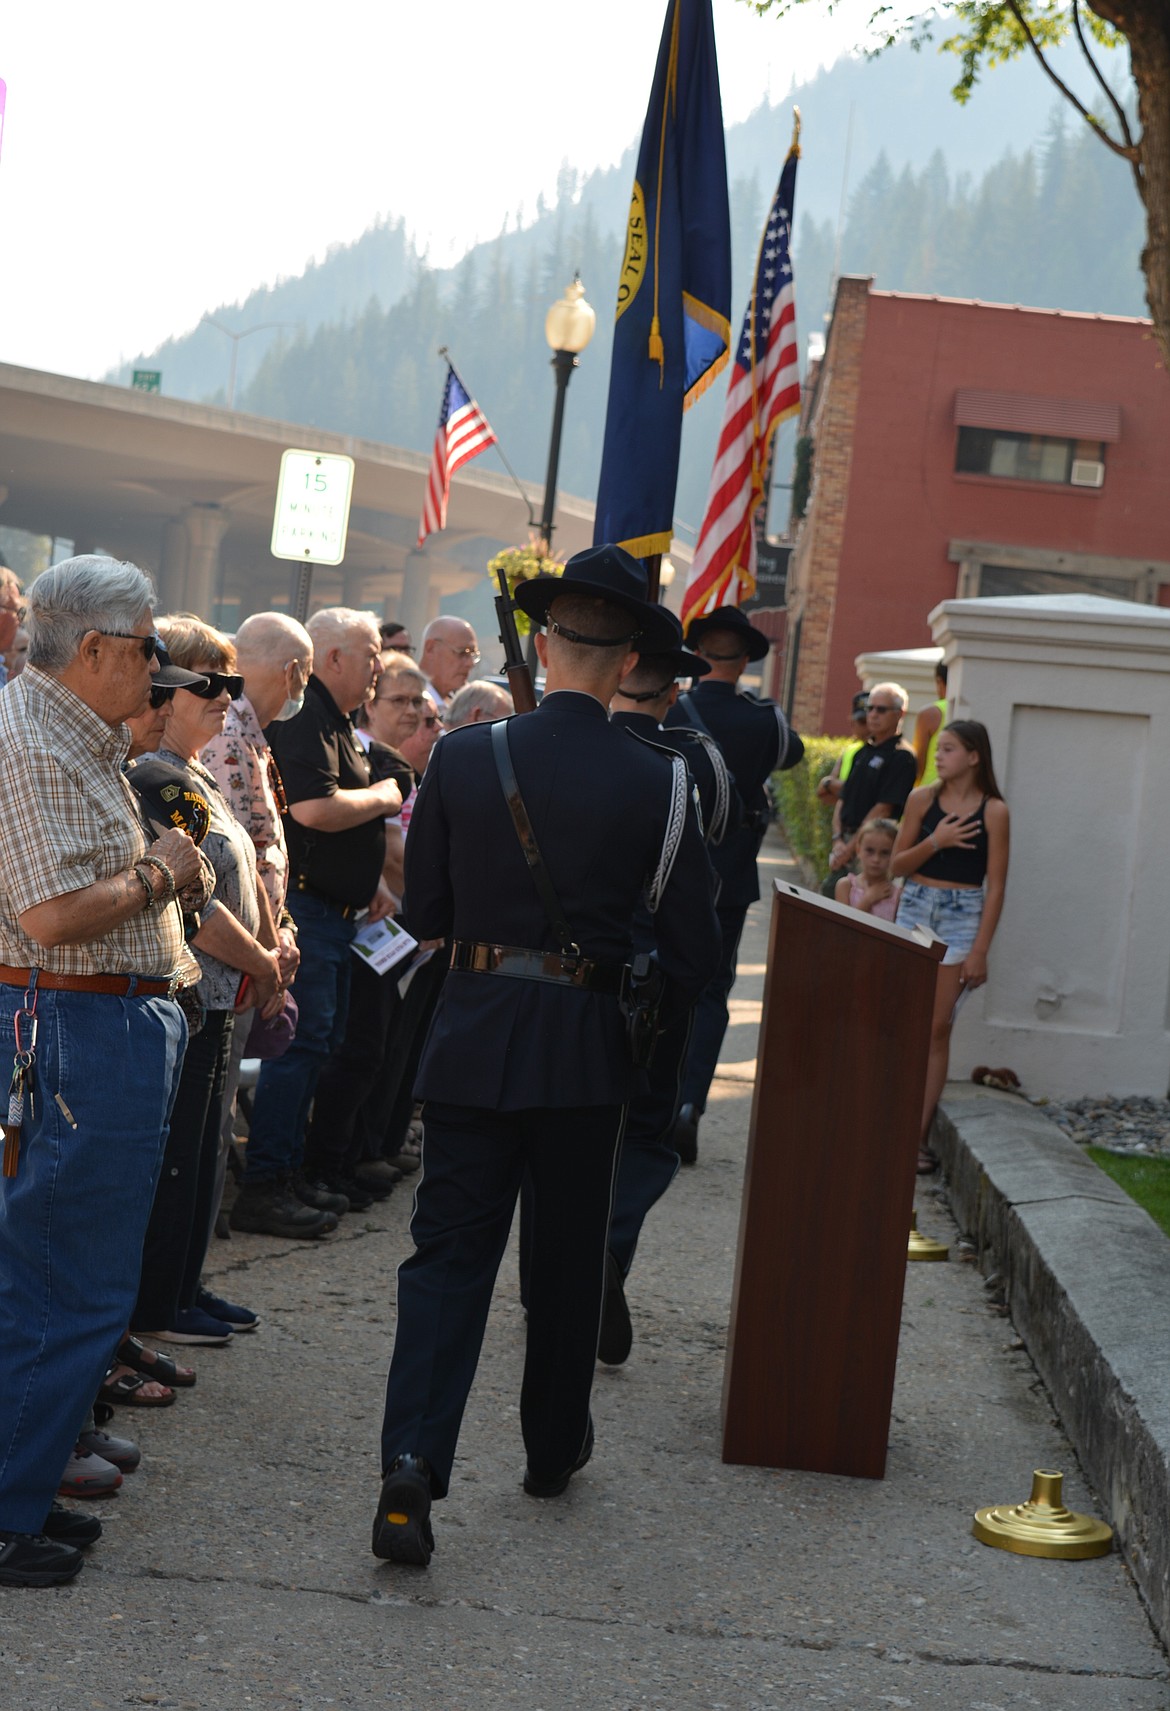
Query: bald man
pixel 450 653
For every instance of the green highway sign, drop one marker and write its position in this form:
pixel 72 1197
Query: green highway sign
pixel 147 380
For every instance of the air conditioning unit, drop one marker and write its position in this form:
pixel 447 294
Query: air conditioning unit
pixel 1087 472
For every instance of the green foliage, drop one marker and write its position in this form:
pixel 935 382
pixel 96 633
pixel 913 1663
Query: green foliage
pixel 805 820
pixel 520 564
pixel 802 465
pixel 1146 1180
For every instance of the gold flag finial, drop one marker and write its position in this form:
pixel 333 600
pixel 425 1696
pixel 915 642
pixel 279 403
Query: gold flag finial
pixel 795 149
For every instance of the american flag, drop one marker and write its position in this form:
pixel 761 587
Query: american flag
pixel 463 432
pixel 763 391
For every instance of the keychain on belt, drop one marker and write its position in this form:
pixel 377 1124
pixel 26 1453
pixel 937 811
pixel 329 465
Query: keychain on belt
pixel 21 1085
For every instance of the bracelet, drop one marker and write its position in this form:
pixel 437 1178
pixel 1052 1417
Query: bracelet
pixel 144 881
pixel 934 842
pixel 168 876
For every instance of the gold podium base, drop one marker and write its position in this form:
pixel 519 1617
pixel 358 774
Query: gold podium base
pixel 923 1247
pixel 1043 1527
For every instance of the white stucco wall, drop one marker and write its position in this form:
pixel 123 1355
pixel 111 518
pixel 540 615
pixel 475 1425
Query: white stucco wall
pixel 1075 693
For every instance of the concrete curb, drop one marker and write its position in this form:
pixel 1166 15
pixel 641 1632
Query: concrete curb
pixel 1086 1276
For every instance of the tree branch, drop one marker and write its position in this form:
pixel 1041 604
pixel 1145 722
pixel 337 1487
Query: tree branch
pixel 1122 119
pixel 1127 151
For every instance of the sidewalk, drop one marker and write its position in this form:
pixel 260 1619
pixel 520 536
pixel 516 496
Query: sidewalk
pixel 236 1574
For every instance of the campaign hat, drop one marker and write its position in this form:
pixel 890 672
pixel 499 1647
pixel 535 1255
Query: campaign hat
pixel 755 642
pixel 676 658
pixel 606 573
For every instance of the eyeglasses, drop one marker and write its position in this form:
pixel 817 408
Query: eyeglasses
pixel 875 707
pixel 402 700
pixel 160 694
pixel 148 644
pixel 431 720
pixel 473 654
pixel 217 682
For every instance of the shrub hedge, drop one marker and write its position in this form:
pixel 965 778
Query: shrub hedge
pixel 805 820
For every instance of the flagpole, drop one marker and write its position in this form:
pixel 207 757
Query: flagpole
pixel 446 355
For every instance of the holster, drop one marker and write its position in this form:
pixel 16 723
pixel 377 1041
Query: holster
pixel 640 1007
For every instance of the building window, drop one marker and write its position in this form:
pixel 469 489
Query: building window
pixel 1030 457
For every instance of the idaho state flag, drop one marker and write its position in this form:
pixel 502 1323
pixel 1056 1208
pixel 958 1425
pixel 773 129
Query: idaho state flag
pixel 674 292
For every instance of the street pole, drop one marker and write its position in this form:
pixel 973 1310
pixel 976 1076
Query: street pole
pixel 564 362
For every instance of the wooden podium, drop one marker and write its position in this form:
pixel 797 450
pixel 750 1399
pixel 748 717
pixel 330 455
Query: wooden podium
pixel 828 1188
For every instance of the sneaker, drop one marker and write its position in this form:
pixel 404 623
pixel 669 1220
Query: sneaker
pixel 193 1325
pixel 312 1190
pixel 88 1474
pixel 119 1452
pixel 377 1173
pixel 29 1559
pixel 402 1527
pixel 69 1527
pixel 271 1208
pixel 239 1318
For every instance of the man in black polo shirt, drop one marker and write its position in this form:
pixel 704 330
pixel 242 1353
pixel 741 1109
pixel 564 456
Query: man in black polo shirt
pixel 336 844
pixel 881 777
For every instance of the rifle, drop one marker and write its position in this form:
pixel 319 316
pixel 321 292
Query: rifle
pixel 515 665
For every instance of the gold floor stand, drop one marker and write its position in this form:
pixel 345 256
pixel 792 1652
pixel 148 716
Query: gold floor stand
pixel 1043 1527
pixel 923 1247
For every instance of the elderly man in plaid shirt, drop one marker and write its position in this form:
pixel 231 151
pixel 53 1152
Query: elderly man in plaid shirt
pixel 92 951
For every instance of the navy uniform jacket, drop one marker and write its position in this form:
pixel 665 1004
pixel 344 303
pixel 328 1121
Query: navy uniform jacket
pixel 599 802
pixel 756 741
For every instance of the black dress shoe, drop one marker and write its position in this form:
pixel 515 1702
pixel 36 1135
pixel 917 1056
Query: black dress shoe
pixel 553 1487
pixel 29 1559
pixel 69 1527
pixel 684 1136
pixel 616 1337
pixel 311 1191
pixel 402 1526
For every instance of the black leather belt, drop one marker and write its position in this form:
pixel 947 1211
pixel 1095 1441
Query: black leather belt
pixel 346 910
pixel 610 978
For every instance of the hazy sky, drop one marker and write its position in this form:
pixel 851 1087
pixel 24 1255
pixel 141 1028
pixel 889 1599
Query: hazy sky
pixel 159 159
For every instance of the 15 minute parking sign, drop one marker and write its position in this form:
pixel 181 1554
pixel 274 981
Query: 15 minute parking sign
pixel 312 507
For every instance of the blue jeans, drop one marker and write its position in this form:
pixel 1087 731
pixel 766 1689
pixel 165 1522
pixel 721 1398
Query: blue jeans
pixel 284 1092
pixel 72 1221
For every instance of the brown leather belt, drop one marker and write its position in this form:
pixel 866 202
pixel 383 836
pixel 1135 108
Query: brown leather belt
pixel 112 985
pixel 610 978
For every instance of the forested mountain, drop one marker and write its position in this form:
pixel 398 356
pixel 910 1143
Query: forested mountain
pixel 1002 200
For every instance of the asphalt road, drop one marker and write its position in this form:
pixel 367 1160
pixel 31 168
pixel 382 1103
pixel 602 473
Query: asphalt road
pixel 235 1571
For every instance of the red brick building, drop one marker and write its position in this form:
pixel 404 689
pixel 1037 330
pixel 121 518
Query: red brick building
pixel 963 448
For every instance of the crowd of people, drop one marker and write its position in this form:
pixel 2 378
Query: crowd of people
pixel 200 825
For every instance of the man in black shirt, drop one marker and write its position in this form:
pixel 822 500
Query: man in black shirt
pixel 881 777
pixel 336 844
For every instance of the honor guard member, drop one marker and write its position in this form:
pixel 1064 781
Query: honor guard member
pixel 756 741
pixel 649 1161
pixel 532 843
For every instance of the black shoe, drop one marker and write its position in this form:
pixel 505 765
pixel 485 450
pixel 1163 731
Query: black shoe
pixel 684 1137
pixel 402 1527
pixel 358 1196
pixel 68 1527
pixel 29 1559
pixel 312 1189
pixel 270 1208
pixel 616 1337
pixel 553 1487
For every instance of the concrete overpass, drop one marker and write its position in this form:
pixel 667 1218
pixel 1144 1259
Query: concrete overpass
pixel 187 492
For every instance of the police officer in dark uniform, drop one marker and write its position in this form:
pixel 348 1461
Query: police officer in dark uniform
pixel 756 741
pixel 649 1161
pixel 527 1064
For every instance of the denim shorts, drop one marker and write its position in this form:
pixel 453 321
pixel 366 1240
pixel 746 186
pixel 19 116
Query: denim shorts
pixel 951 912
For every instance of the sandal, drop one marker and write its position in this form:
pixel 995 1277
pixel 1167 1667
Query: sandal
pixel 927 1161
pixel 125 1390
pixel 151 1364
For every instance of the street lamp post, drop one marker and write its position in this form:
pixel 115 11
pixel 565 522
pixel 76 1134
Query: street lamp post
pixel 263 327
pixel 568 327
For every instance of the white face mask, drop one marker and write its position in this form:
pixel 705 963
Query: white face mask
pixel 290 709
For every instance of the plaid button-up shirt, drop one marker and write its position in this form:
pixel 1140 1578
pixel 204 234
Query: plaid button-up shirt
pixel 68 818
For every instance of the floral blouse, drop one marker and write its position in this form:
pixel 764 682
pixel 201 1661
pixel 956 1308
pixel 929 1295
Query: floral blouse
pixel 245 770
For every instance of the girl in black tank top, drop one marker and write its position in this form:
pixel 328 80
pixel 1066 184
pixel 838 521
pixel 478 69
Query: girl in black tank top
pixel 952 852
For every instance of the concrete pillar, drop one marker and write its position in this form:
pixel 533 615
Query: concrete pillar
pixel 206 526
pixel 414 610
pixel 1075 693
pixel 172 569
pixel 353 584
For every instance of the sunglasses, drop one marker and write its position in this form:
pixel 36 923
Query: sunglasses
pixel 160 694
pixel 217 682
pixel 431 720
pixel 876 707
pixel 148 644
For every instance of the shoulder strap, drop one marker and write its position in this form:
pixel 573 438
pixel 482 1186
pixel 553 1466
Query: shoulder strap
pixel 544 885
pixel 692 715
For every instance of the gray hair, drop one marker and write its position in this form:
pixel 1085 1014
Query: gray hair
pixel 78 595
pixel 332 627
pixel 479 696
pixel 894 691
pixel 273 638
pixel 400 666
